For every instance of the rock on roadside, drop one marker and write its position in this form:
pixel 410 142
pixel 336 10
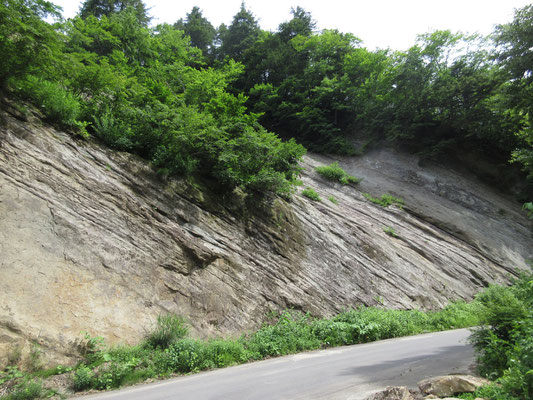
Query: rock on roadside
pixel 445 386
pixel 440 387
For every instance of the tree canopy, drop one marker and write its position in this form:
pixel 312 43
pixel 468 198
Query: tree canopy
pixel 199 29
pixel 196 100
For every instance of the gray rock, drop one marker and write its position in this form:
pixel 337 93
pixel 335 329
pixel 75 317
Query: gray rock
pixel 93 240
pixel 445 386
pixel 392 393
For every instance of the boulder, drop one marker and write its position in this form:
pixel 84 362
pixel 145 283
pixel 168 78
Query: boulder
pixel 445 386
pixel 393 393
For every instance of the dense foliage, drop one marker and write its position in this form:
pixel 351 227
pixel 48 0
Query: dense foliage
pixel 504 343
pixel 178 95
pixel 143 90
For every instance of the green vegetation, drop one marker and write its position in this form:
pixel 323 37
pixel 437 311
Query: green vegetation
pixel 333 200
pixel 145 90
pixel 529 208
pixel 390 231
pixel 311 194
pixel 385 200
pixel 335 173
pixel 504 344
pixel 289 332
pixel 27 390
pixel 178 95
pixel 168 330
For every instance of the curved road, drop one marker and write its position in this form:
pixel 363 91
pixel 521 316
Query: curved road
pixel 351 372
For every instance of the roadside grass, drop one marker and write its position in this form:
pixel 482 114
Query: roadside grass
pixel 167 350
pixel 503 344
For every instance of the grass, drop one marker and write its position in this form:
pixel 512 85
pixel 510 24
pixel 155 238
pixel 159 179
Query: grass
pixel 311 194
pixel 385 200
pixel 334 172
pixel 290 332
pixel 333 200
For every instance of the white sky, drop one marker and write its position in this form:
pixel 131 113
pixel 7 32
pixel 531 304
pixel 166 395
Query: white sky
pixel 379 23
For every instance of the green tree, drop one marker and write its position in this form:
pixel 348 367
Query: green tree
pixel 514 52
pixel 301 23
pixel 199 29
pixel 99 8
pixel 27 42
pixel 240 35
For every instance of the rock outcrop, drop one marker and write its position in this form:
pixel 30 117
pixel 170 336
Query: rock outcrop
pixel 93 240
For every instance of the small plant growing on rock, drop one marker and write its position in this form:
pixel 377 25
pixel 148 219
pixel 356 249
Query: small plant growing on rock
pixel 385 200
pixel 335 173
pixel 311 194
pixel 529 208
pixel 333 200
pixel 390 231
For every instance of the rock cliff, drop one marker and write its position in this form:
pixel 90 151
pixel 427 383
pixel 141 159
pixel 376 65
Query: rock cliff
pixel 93 240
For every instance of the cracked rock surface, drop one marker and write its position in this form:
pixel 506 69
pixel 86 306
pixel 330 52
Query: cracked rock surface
pixel 93 240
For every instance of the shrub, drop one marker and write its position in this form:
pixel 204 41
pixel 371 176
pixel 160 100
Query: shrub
pixel 185 356
pixel 333 333
pixel 504 344
pixel 114 374
pixel 529 208
pixel 290 334
pixel 169 329
pixel 27 390
pixel 334 172
pixel 222 353
pixel 56 102
pixel 311 194
pixel 83 378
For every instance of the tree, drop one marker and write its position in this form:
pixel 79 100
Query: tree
pixel 240 35
pixel 199 29
pixel 515 55
pixel 26 40
pixel 99 8
pixel 301 24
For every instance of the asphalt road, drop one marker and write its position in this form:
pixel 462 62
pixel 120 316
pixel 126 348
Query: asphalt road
pixel 351 372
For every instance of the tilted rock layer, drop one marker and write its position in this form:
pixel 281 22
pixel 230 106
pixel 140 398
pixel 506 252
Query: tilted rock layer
pixel 93 240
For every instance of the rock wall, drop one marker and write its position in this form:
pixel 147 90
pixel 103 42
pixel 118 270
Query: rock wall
pixel 92 240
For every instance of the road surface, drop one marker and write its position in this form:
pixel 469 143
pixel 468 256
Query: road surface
pixel 347 373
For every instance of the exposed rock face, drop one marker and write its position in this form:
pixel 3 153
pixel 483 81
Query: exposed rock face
pixel 445 386
pixel 92 240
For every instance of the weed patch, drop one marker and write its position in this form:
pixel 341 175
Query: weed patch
pixel 311 194
pixel 334 172
pixel 385 200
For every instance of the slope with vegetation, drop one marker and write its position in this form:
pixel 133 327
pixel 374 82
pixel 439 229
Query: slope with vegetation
pixel 178 95
pixel 141 174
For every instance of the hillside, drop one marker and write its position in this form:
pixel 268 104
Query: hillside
pixel 93 240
